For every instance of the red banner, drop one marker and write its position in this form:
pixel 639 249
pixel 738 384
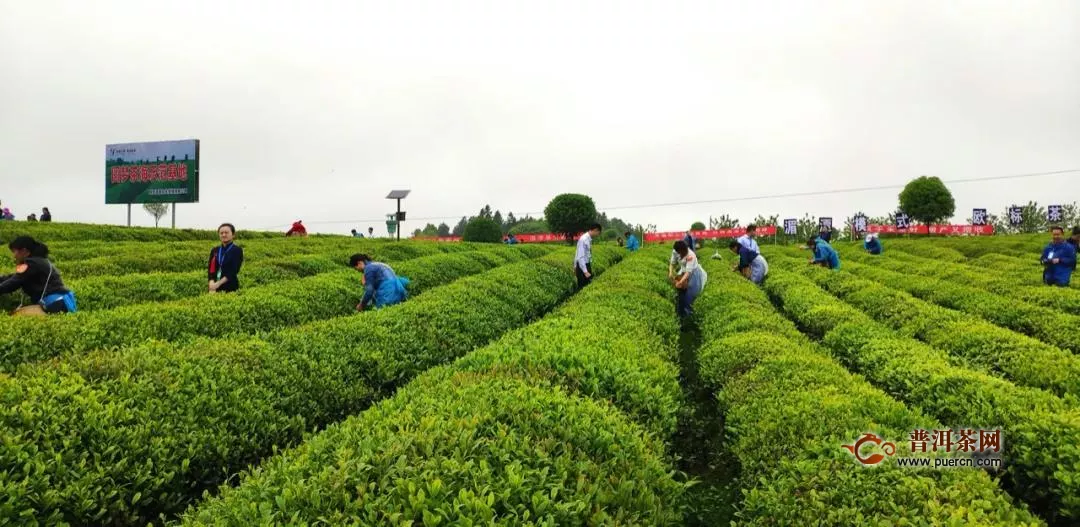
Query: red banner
pixel 521 238
pixel 708 234
pixel 971 230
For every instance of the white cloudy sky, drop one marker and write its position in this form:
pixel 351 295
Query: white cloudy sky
pixel 316 109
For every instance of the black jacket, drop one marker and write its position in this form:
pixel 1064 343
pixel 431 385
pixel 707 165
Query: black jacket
pixel 32 279
pixel 232 258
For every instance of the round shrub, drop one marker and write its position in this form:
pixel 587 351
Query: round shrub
pixel 482 230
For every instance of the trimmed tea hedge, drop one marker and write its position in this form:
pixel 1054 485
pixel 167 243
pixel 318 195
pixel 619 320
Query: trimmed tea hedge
pixel 1041 432
pixel 191 260
pixel 789 408
pixel 120 437
pixel 1047 325
pixel 1008 283
pixel 970 341
pixel 86 231
pixel 282 304
pixel 504 435
pixel 111 291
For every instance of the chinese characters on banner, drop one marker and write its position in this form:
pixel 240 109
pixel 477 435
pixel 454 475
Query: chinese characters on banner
pixel 903 221
pixel 1016 215
pixel 790 227
pixel 708 234
pixel 962 440
pixel 1054 213
pixel 976 230
pixel 859 223
pixel 978 216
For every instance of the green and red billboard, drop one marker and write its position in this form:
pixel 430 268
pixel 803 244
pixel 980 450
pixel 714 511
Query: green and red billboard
pixel 155 172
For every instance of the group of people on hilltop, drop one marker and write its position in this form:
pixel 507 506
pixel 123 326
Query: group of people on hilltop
pixel 39 279
pixel 41 282
pixel 7 215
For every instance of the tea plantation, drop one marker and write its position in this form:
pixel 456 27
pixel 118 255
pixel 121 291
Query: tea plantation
pixel 498 394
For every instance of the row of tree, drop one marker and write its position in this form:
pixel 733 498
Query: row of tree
pixel 567 219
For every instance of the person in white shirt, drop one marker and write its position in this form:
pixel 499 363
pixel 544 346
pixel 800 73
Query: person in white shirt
pixel 747 240
pixel 690 280
pixel 583 256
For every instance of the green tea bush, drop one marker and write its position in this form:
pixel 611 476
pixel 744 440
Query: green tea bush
pixel 437 452
pixel 1042 432
pixel 788 409
pixel 281 304
pixel 156 425
pixel 968 340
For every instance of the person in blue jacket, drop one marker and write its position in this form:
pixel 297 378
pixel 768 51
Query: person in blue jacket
pixel 824 254
pixel 1058 259
pixel 872 244
pixel 381 285
pixel 510 240
pixel 632 243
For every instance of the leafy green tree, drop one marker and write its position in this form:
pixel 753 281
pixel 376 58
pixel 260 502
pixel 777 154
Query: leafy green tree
pixel 806 227
pixel 697 226
pixel 443 230
pixel 530 227
pixel 459 229
pixel 766 221
pixel 483 230
pixel 431 230
pixel 1033 220
pixel 927 200
pixel 570 214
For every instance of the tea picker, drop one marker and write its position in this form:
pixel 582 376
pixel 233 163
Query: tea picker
pixel 381 285
pixel 38 279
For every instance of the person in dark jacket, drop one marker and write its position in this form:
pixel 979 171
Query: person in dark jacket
pixel 225 262
pixel 1058 259
pixel 872 244
pixel 45 214
pixel 37 277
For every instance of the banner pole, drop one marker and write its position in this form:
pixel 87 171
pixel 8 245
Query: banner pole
pixel 174 215
pixel 129 215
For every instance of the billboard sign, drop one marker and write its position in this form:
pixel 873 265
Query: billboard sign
pixel 157 172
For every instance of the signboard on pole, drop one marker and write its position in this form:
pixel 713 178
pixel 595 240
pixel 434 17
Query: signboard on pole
pixel 1054 213
pixel 156 172
pixel 978 216
pixel 1016 215
pixel 859 223
pixel 903 221
pixel 791 226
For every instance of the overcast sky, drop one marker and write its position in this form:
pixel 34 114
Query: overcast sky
pixel 315 110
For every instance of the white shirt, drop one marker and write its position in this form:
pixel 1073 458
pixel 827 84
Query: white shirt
pixel 583 255
pixel 749 243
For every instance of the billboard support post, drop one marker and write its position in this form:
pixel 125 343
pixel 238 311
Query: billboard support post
pixel 174 215
pixel 129 215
